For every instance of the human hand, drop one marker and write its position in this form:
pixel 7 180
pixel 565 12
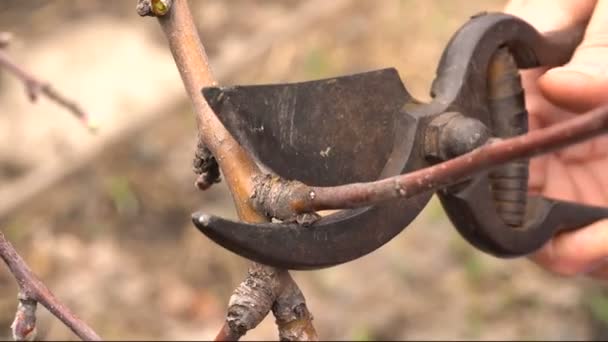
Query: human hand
pixel 578 173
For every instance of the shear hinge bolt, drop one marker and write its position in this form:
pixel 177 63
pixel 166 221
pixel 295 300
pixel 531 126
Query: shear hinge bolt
pixel 452 134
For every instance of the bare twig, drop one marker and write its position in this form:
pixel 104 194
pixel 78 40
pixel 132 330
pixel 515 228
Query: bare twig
pixel 299 198
pixel 34 87
pixel 32 289
pixel 249 304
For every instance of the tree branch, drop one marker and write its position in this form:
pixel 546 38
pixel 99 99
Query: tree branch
pixel 33 290
pixel 297 198
pixel 237 166
pixel 34 87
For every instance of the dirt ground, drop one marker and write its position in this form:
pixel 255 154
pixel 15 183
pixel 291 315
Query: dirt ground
pixel 113 238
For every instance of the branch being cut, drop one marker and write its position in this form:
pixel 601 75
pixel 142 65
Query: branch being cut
pixel 258 294
pixel 297 198
pixel 32 291
pixel 34 87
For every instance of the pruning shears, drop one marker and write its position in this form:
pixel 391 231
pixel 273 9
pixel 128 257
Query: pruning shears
pixel 366 126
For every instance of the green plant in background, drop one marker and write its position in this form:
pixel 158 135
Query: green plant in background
pixel 317 64
pixel 123 197
pixel 361 333
pixel 597 304
pixel 472 262
pixel 434 211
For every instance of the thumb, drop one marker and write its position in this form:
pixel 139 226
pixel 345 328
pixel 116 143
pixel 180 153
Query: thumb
pixel 582 84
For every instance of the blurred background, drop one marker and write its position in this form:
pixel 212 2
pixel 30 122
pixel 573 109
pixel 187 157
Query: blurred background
pixel 104 219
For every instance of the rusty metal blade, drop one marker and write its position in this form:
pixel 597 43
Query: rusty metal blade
pixel 323 132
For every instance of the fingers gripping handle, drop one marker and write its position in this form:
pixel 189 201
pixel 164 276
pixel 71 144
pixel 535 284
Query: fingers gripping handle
pixel 493 211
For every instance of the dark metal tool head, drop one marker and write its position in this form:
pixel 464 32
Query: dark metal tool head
pixel 366 126
pixel 325 132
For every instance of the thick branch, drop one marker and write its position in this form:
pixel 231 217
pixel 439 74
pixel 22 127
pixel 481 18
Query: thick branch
pixel 304 199
pixel 34 87
pixel 31 288
pixel 193 65
pixel 237 167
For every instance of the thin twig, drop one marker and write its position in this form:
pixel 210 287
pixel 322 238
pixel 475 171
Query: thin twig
pixel 237 166
pixel 31 288
pixel 303 199
pixel 34 87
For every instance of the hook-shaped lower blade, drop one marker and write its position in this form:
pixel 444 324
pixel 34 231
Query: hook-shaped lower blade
pixel 332 240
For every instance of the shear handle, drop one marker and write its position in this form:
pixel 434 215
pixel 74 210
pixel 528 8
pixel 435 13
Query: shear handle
pixel 565 216
pixel 559 45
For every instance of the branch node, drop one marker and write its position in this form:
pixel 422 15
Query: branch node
pixel 292 316
pixel 205 165
pixel 153 8
pixel 280 198
pixel 253 299
pixel 24 325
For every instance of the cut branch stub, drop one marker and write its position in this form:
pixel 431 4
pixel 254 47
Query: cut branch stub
pixel 292 315
pixel 252 300
pixel 24 325
pixel 205 166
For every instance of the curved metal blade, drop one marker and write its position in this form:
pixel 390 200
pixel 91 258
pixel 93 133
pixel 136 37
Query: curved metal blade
pixel 323 132
pixel 332 240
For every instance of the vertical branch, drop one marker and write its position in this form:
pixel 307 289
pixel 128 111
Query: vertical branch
pixel 193 65
pixel 257 294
